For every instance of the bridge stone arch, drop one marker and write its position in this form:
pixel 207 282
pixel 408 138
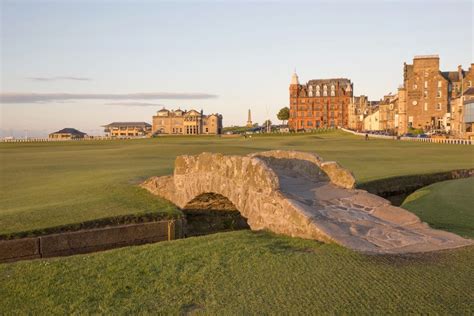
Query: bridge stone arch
pixel 300 195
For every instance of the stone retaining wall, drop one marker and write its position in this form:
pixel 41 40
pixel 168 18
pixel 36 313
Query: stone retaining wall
pixel 91 240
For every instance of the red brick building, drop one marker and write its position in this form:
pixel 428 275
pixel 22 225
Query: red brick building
pixel 319 103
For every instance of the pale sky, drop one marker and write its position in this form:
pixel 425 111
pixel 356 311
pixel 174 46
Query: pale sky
pixel 89 63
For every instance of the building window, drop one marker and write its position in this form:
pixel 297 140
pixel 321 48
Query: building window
pixel 415 86
pixel 333 93
pixel 438 107
pixel 425 94
pixel 439 94
pixel 440 84
pixel 310 93
pixel 426 84
pixel 470 83
pixel 325 93
pixel 426 106
pixel 318 94
pixel 309 123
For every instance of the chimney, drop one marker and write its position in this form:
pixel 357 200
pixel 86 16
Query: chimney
pixel 460 72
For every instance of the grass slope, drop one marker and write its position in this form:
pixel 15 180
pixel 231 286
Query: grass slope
pixel 240 273
pixel 447 205
pixel 52 184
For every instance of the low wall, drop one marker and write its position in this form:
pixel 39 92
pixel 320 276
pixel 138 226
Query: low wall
pixel 91 240
pixel 416 139
pixel 409 184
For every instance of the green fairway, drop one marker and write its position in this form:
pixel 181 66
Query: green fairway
pixel 447 205
pixel 240 273
pixel 51 184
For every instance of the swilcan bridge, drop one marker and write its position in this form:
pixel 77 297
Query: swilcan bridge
pixel 298 194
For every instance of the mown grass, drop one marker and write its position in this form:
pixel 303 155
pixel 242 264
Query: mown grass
pixel 45 185
pixel 238 273
pixel 447 205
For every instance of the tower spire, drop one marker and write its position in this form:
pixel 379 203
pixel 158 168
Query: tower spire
pixel 294 78
pixel 249 119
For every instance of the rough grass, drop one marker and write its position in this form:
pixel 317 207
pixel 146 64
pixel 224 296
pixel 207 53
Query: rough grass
pixel 45 185
pixel 241 273
pixel 447 205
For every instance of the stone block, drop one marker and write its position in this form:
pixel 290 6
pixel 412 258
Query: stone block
pixel 19 249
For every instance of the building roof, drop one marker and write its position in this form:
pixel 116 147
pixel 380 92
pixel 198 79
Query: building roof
pixel 452 76
pixel 69 131
pixel 122 124
pixel 469 91
pixel 341 81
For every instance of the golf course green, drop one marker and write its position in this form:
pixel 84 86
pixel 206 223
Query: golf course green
pixel 242 272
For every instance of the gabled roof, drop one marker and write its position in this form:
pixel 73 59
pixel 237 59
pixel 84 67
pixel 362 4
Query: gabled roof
pixel 452 76
pixel 469 91
pixel 192 112
pixel 69 130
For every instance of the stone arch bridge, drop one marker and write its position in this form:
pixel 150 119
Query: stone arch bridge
pixel 300 195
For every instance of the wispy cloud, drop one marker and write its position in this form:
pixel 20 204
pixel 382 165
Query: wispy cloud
pixel 60 78
pixel 133 104
pixel 24 97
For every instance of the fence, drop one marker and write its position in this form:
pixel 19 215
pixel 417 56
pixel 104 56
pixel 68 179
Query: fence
pixel 44 140
pixel 417 139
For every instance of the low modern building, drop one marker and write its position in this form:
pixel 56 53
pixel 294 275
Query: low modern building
pixel 67 133
pixel 192 122
pixel 127 129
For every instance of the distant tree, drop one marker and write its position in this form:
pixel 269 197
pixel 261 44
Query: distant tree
pixel 267 125
pixel 255 124
pixel 284 114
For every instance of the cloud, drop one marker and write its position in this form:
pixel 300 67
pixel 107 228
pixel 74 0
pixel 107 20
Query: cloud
pixel 24 97
pixel 133 104
pixel 59 78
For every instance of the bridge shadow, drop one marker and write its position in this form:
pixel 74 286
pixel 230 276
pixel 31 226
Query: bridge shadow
pixel 210 213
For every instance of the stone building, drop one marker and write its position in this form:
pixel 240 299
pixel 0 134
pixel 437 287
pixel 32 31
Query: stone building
pixel 388 108
pixel 462 115
pixel 319 103
pixel 190 122
pixel 127 129
pixel 358 109
pixel 372 120
pixel 67 133
pixel 428 93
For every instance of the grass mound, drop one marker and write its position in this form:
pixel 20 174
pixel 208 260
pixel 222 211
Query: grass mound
pixel 447 205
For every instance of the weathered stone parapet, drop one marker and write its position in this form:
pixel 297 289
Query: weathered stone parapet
pixel 298 194
pixel 337 174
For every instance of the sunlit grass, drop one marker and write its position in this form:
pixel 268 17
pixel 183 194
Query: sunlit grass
pixel 51 184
